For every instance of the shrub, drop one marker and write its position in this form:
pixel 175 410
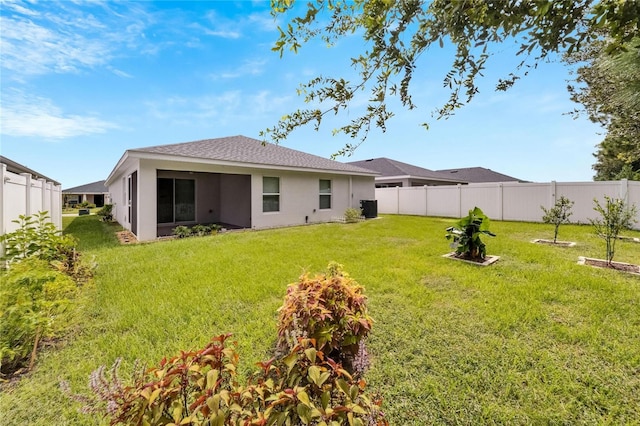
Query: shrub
pixel 32 298
pixel 106 212
pixel 305 385
pixel 36 236
pixel 466 235
pixel 201 388
pixel 201 230
pixel 558 214
pixel 182 231
pixel 331 309
pixel 352 215
pixel 615 216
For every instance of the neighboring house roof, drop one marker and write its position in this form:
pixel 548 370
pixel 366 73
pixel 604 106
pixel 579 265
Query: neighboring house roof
pixel 244 151
pixel 478 175
pixel 89 188
pixel 18 168
pixel 392 168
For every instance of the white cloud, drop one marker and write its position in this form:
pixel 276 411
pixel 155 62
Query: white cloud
pixel 248 67
pixel 222 108
pixel 65 38
pixel 120 73
pixel 34 116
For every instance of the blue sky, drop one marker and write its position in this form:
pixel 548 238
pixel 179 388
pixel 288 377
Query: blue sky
pixel 82 82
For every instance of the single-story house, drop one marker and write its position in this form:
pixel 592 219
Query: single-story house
pixel 394 173
pixel 93 193
pixel 478 175
pixel 234 181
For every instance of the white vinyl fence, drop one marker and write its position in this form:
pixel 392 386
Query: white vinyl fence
pixel 20 194
pixel 507 200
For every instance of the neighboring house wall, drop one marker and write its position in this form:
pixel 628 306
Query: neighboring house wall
pixel 506 201
pixel 20 194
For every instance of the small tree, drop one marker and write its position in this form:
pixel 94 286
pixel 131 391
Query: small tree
pixel 616 216
pixel 466 235
pixel 558 214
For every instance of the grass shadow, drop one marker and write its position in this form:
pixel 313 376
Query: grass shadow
pixel 91 232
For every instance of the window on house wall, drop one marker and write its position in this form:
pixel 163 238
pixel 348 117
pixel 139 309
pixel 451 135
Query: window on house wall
pixel 325 194
pixel 176 200
pixel 270 194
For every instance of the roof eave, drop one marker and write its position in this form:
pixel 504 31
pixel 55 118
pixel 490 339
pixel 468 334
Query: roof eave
pixel 185 159
pixel 420 177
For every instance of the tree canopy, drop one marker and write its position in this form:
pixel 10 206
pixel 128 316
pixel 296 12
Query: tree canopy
pixel 397 33
pixel 608 87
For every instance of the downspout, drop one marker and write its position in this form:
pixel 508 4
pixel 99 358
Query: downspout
pixel 350 200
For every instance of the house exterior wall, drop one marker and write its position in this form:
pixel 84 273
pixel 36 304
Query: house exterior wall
pixel 299 194
pixel 118 193
pixel 235 202
pixel 300 197
pixel 506 201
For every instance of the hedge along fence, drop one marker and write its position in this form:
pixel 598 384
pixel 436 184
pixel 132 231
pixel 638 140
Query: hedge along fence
pixel 21 194
pixel 505 200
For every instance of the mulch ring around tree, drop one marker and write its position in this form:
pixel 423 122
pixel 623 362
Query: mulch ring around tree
pixel 126 237
pixel 618 266
pixel 488 260
pixel 552 243
pixel 630 239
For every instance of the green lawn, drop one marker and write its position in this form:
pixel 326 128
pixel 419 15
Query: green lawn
pixel 533 339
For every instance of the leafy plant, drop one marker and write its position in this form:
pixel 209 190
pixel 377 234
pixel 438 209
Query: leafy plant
pixel 465 235
pixel 352 215
pixel 201 388
pixel 615 216
pixel 106 212
pixel 201 230
pixel 32 298
pixel 331 309
pixel 182 231
pixel 558 214
pixel 35 236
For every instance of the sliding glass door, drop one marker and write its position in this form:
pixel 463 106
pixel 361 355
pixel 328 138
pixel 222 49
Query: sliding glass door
pixel 176 200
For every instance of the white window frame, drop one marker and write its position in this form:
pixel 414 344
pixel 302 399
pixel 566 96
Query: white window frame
pixel 271 194
pixel 325 194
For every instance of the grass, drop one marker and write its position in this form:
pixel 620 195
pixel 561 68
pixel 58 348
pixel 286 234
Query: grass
pixel 533 339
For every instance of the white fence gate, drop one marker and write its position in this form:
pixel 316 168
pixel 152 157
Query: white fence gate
pixel 506 200
pixel 20 194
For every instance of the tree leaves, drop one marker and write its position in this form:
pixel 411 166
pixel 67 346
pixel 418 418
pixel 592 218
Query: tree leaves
pixel 396 34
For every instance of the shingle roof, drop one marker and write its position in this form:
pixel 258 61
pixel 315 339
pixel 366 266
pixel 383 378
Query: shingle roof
pixel 247 150
pixel 478 175
pixel 388 167
pixel 89 188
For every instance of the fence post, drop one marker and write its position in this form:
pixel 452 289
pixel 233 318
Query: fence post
pixel 43 195
pixel 426 206
pixel 500 201
pixel 459 200
pixel 397 200
pixel 552 193
pixel 624 190
pixel 27 193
